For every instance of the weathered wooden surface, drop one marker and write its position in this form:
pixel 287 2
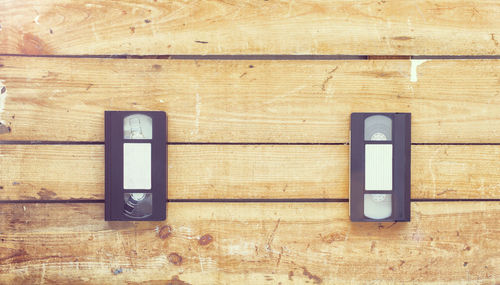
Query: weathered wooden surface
pixel 246 171
pixel 250 27
pixel 245 101
pixel 249 101
pixel 234 243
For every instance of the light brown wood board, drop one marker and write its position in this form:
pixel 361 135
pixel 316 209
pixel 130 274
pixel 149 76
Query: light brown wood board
pixel 64 27
pixel 69 172
pixel 249 243
pixel 64 99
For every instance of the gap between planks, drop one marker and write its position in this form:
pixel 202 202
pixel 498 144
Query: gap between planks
pixel 249 201
pixel 264 56
pixel 19 142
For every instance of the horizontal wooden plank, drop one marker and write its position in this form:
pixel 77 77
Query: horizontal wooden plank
pixel 249 101
pixel 453 27
pixel 214 243
pixel 61 172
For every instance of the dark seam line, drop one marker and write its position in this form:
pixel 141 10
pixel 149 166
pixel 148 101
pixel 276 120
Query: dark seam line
pixel 51 142
pixel 83 201
pixel 455 143
pixel 455 200
pixel 299 200
pixel 311 200
pixel 16 142
pixel 455 57
pixel 206 57
pixel 249 143
pixel 257 56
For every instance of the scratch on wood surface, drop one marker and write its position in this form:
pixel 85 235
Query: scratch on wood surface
pixel 316 279
pixel 413 70
pixel 46 194
pixel 95 34
pixel 402 38
pixel 445 191
pixel 279 257
pixel 271 236
pixel 333 70
pixel 207 263
pixel 4 128
pixel 186 232
pixel 290 8
pixel 332 237
pixel 493 39
pixel 325 82
pixel 197 115
pixel 431 170
pixel 42 276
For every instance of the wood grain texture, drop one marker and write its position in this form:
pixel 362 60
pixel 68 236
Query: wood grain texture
pixel 61 172
pixel 248 27
pixel 249 101
pixel 214 243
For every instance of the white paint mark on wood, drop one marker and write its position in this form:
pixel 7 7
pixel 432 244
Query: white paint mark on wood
pixel 186 233
pixel 243 248
pixel 411 89
pixel 413 70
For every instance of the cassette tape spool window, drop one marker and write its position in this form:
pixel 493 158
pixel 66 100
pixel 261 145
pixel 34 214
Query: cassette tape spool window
pixel 138 126
pixel 378 166
pixel 137 165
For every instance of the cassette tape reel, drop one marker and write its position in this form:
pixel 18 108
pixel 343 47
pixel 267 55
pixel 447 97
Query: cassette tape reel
pixel 138 205
pixel 377 206
pixel 378 128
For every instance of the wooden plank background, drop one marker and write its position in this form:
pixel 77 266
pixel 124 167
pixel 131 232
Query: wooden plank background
pixel 258 104
pixel 267 243
pixel 410 27
pixel 250 101
pixel 246 172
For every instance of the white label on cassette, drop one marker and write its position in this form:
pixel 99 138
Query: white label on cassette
pixel 137 166
pixel 378 167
